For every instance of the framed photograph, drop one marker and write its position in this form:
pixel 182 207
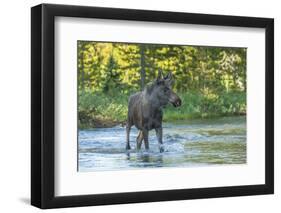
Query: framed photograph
pixel 139 106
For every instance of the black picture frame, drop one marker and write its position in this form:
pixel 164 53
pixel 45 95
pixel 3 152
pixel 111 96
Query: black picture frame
pixel 43 110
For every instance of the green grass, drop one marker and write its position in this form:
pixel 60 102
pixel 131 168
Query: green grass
pixel 197 105
pixel 99 109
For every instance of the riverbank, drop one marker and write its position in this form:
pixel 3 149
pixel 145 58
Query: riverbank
pixel 97 110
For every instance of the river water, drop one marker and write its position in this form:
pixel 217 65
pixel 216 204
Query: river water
pixel 189 143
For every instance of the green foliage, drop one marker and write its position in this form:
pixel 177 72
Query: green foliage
pixel 107 66
pixel 211 80
pixel 198 105
pixel 112 109
pixel 100 107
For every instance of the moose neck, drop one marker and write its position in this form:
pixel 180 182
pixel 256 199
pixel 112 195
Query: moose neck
pixel 150 100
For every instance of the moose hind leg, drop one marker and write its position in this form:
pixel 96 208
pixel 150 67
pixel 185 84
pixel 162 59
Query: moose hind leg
pixel 128 129
pixel 159 134
pixel 139 140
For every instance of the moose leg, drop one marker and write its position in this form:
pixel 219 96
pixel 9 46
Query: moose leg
pixel 145 138
pixel 139 140
pixel 159 138
pixel 128 128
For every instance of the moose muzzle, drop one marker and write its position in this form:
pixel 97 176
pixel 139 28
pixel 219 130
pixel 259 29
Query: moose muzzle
pixel 175 100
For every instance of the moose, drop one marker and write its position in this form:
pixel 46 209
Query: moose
pixel 145 110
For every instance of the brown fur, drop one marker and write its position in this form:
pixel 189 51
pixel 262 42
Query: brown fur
pixel 145 110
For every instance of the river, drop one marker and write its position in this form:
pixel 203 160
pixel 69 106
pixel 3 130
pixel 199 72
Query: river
pixel 192 143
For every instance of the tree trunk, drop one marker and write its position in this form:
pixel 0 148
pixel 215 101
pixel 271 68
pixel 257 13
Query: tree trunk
pixel 82 73
pixel 142 63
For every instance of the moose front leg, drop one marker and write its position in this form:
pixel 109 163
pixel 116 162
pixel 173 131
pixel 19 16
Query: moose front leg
pixel 159 135
pixel 128 128
pixel 145 138
pixel 139 140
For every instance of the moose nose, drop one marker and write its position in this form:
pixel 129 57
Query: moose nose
pixel 175 100
pixel 178 102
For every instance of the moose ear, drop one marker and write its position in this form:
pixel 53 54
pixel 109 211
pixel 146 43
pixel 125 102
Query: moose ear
pixel 169 78
pixel 160 75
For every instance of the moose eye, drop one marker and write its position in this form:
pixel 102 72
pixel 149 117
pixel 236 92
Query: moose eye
pixel 166 89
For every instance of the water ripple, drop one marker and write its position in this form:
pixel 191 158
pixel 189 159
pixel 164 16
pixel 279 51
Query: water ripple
pixel 190 143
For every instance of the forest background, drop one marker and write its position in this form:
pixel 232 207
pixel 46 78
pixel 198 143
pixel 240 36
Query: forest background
pixel 211 81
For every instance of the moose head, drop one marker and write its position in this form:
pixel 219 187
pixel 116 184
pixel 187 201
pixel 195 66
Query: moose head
pixel 161 91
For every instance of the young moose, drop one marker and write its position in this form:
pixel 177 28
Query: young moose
pixel 145 110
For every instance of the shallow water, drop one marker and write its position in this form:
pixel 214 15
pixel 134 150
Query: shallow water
pixel 187 144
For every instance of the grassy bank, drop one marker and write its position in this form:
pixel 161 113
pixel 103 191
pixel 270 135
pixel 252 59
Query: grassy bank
pixel 104 110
